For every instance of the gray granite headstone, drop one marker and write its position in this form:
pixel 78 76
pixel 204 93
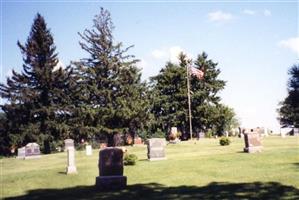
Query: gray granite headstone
pixel 111 169
pixel 32 151
pixel 252 142
pixel 156 149
pixel 201 134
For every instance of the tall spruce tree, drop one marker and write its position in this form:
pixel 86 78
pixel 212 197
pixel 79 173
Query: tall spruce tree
pixel 170 100
pixel 289 108
pixel 112 97
pixel 37 104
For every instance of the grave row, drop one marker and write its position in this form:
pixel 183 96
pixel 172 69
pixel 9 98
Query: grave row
pixel 111 158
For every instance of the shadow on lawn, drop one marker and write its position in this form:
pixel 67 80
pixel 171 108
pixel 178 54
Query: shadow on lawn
pixel 215 190
pixel 296 164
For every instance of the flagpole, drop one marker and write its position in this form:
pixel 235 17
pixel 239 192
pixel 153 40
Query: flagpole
pixel 189 102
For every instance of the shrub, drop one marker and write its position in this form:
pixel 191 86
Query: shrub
pixel 130 159
pixel 224 141
pixel 158 134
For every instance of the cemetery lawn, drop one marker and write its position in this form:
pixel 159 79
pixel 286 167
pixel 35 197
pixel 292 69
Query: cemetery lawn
pixel 204 170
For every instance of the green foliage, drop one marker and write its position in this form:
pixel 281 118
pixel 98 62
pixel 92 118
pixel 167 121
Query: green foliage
pixel 158 134
pixel 289 108
pixel 209 133
pixel 112 98
pixel 37 100
pixel 130 159
pixel 223 119
pixel 169 99
pixel 224 141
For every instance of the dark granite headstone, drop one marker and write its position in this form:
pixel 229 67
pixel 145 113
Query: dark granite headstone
pixel 111 169
pixel 111 162
pixel 252 142
pixel 156 149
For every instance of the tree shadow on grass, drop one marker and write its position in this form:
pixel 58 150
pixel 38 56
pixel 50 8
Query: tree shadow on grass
pixel 214 190
pixel 296 164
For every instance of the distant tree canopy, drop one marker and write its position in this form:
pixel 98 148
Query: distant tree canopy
pixel 289 107
pixel 102 94
pixel 170 100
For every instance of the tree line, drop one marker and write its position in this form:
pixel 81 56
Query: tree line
pixel 103 94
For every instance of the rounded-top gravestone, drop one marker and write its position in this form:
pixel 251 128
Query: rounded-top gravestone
pixel 111 169
pixel 111 162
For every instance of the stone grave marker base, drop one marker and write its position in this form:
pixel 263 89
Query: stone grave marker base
pixel 32 157
pixel 253 149
pixel 157 159
pixel 111 182
pixel 71 170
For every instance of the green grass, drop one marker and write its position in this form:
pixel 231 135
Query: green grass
pixel 204 170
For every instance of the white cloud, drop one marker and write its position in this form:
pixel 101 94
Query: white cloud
pixel 158 54
pixel 174 53
pixel 220 16
pixel 267 13
pixel 249 12
pixel 170 53
pixel 291 43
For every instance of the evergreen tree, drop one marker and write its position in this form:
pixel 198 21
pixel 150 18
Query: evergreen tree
pixel 37 104
pixel 289 110
pixel 170 100
pixel 111 99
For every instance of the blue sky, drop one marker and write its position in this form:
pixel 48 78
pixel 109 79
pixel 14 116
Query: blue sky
pixel 255 43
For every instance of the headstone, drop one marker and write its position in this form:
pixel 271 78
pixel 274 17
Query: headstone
pixel 266 132
pixel 137 140
pixel 68 143
pixel 156 149
pixel 111 169
pixel 21 153
pixel 103 145
pixel 129 139
pixel 71 167
pixel 118 140
pixel 174 131
pixel 32 151
pixel 226 133
pixel 88 149
pixel 252 142
pixel 296 131
pixel 201 134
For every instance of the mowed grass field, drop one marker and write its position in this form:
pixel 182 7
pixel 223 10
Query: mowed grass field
pixel 193 170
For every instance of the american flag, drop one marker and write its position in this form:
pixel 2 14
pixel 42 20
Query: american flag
pixel 196 72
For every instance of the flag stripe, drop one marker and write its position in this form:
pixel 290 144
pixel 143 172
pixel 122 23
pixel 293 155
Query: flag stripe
pixel 196 72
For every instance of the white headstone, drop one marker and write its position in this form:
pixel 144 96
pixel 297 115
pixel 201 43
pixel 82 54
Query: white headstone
pixel 174 130
pixel 68 143
pixel 266 132
pixel 21 153
pixel 71 168
pixel 88 150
